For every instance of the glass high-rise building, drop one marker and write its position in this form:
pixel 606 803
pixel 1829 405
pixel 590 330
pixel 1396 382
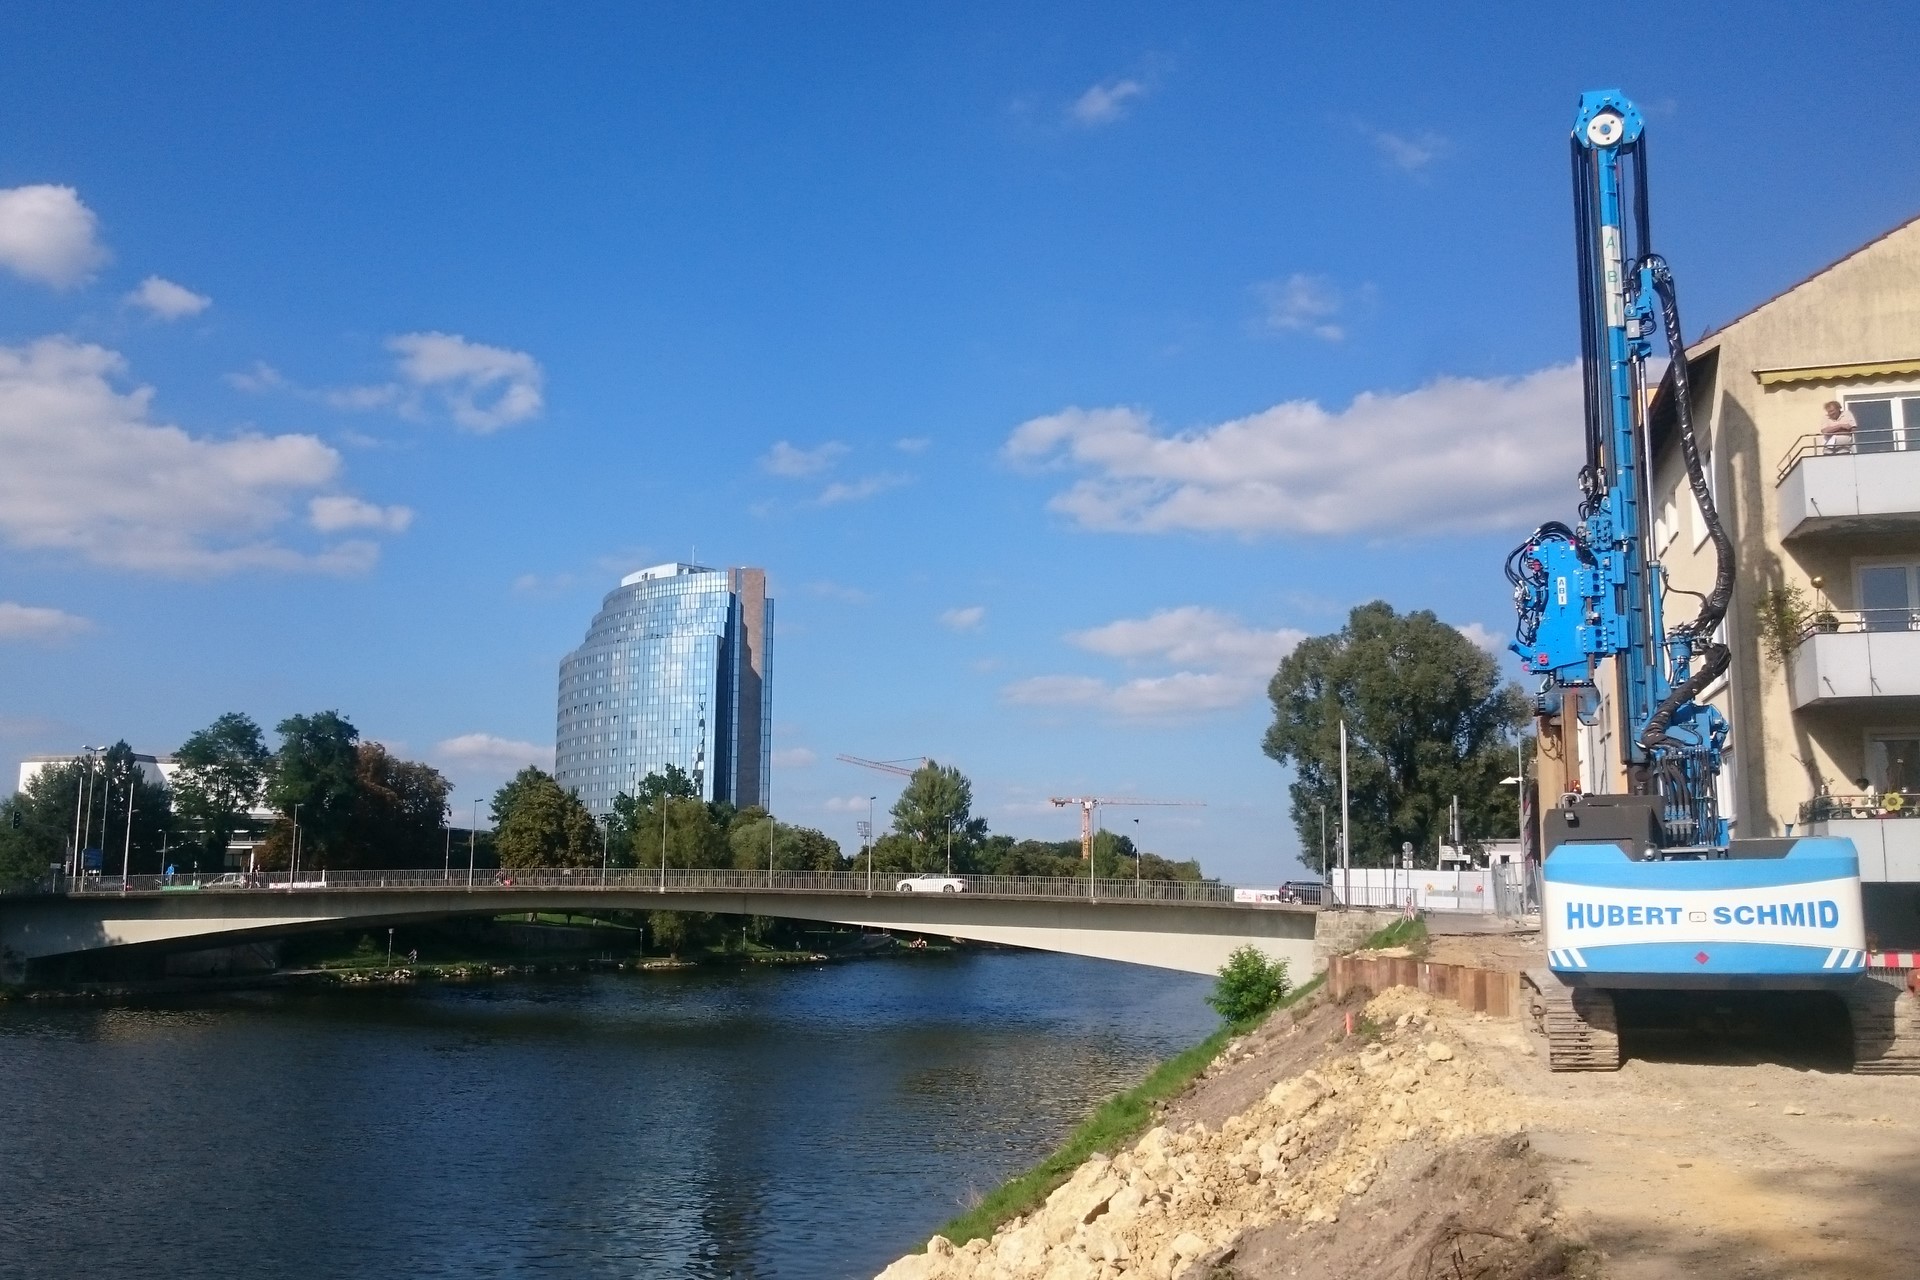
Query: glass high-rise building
pixel 674 671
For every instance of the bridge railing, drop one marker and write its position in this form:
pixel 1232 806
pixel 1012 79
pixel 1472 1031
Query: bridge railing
pixel 672 880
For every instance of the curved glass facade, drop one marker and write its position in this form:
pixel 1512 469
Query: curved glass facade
pixel 674 670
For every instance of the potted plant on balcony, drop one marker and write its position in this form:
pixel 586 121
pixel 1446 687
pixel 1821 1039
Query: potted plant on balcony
pixel 1824 622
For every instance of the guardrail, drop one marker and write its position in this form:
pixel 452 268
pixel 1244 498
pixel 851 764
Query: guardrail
pixel 672 880
pixel 1826 622
pixel 1883 804
pixel 1860 440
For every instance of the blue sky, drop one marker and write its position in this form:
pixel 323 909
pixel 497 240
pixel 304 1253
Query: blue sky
pixel 1061 364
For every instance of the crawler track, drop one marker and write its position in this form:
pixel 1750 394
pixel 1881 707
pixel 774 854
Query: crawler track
pixel 1579 1023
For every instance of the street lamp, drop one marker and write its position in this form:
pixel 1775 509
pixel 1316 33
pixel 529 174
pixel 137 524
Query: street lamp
pixel 293 852
pixel 871 841
pixel 473 841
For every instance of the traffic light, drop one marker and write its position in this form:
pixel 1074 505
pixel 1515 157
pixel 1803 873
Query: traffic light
pixel 13 818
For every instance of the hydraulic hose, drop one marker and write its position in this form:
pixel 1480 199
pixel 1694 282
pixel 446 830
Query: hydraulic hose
pixel 1715 657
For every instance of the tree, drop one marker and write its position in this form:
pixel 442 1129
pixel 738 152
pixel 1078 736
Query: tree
pixel 399 807
pixel 1249 985
pixel 794 848
pixel 936 808
pixel 541 824
pixel 1428 718
pixel 223 773
pixel 316 769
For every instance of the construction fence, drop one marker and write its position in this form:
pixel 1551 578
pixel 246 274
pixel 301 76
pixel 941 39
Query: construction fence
pixel 1508 889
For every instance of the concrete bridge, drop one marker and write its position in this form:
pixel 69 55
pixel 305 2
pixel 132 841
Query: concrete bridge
pixel 1168 925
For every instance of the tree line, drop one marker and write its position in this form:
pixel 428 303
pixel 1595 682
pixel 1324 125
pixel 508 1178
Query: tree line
pixel 357 805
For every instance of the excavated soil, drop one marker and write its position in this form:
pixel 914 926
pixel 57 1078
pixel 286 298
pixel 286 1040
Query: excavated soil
pixel 1435 1143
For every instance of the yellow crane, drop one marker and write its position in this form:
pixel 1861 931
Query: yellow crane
pixel 1090 803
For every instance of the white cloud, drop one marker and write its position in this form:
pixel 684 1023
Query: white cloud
pixel 167 300
pixel 1408 154
pixel 837 591
pixel 39 623
pixel 848 804
pixel 1192 636
pixel 1302 304
pixel 1456 455
pixel 913 444
pixel 1105 103
pixel 794 758
pixel 484 388
pixel 481 388
pixel 331 513
pixel 861 489
pixel 87 470
pixel 1484 637
pixel 261 377
pixel 48 236
pixel 795 463
pixel 1224 662
pixel 1184 693
pixel 487 751
pixel 964 619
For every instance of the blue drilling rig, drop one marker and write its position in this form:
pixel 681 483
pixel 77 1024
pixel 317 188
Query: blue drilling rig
pixel 1644 889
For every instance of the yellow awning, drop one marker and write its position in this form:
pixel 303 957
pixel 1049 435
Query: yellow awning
pixel 1836 372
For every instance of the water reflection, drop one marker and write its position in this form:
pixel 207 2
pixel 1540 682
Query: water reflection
pixel 793 1123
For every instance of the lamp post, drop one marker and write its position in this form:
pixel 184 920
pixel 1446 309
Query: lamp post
pixel 664 798
pixel 74 867
pixel 473 842
pixel 1346 848
pixel 446 856
pixel 126 850
pixel 293 853
pixel 871 841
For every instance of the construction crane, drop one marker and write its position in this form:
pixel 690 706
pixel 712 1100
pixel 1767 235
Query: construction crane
pixel 1646 890
pixel 889 766
pixel 1089 803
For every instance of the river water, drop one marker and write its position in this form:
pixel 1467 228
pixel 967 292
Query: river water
pixel 803 1122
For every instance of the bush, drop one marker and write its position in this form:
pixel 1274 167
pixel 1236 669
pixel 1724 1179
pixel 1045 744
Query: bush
pixel 1249 985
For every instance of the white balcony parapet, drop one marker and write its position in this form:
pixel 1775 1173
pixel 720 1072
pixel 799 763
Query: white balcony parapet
pixel 1889 848
pixel 1868 484
pixel 1859 655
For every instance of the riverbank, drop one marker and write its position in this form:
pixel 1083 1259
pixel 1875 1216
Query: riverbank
pixel 1305 1149
pixel 353 971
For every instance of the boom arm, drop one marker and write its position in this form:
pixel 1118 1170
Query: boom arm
pixel 1593 592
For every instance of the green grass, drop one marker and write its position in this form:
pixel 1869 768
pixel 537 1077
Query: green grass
pixel 1113 1124
pixel 1401 933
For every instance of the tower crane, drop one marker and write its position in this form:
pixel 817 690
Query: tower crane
pixel 889 766
pixel 1090 803
pixel 1646 890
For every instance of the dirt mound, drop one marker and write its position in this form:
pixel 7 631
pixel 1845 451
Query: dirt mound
pixel 1481 1209
pixel 1308 1126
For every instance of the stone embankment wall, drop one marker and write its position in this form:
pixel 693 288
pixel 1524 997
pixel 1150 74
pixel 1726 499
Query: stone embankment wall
pixel 1178 1202
pixel 1338 932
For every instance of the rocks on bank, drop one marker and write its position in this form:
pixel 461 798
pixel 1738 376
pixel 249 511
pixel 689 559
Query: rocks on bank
pixel 1407 1102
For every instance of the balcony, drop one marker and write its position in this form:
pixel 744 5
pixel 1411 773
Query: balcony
pixel 1869 484
pixel 1861 654
pixel 1885 831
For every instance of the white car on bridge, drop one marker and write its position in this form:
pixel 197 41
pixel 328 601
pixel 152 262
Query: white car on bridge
pixel 931 884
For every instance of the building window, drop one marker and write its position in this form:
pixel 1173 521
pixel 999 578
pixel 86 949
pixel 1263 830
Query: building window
pixel 1885 423
pixel 1889 596
pixel 1893 760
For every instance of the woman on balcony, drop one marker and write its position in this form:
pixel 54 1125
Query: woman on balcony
pixel 1836 431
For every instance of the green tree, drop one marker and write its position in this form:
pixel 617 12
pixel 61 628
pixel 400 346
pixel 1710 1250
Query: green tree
pixel 1249 985
pixel 223 773
pixel 399 808
pixel 541 824
pixel 1428 718
pixel 794 848
pixel 316 770
pixel 936 809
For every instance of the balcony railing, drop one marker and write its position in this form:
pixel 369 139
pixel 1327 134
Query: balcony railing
pixel 1888 804
pixel 1860 441
pixel 1828 622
